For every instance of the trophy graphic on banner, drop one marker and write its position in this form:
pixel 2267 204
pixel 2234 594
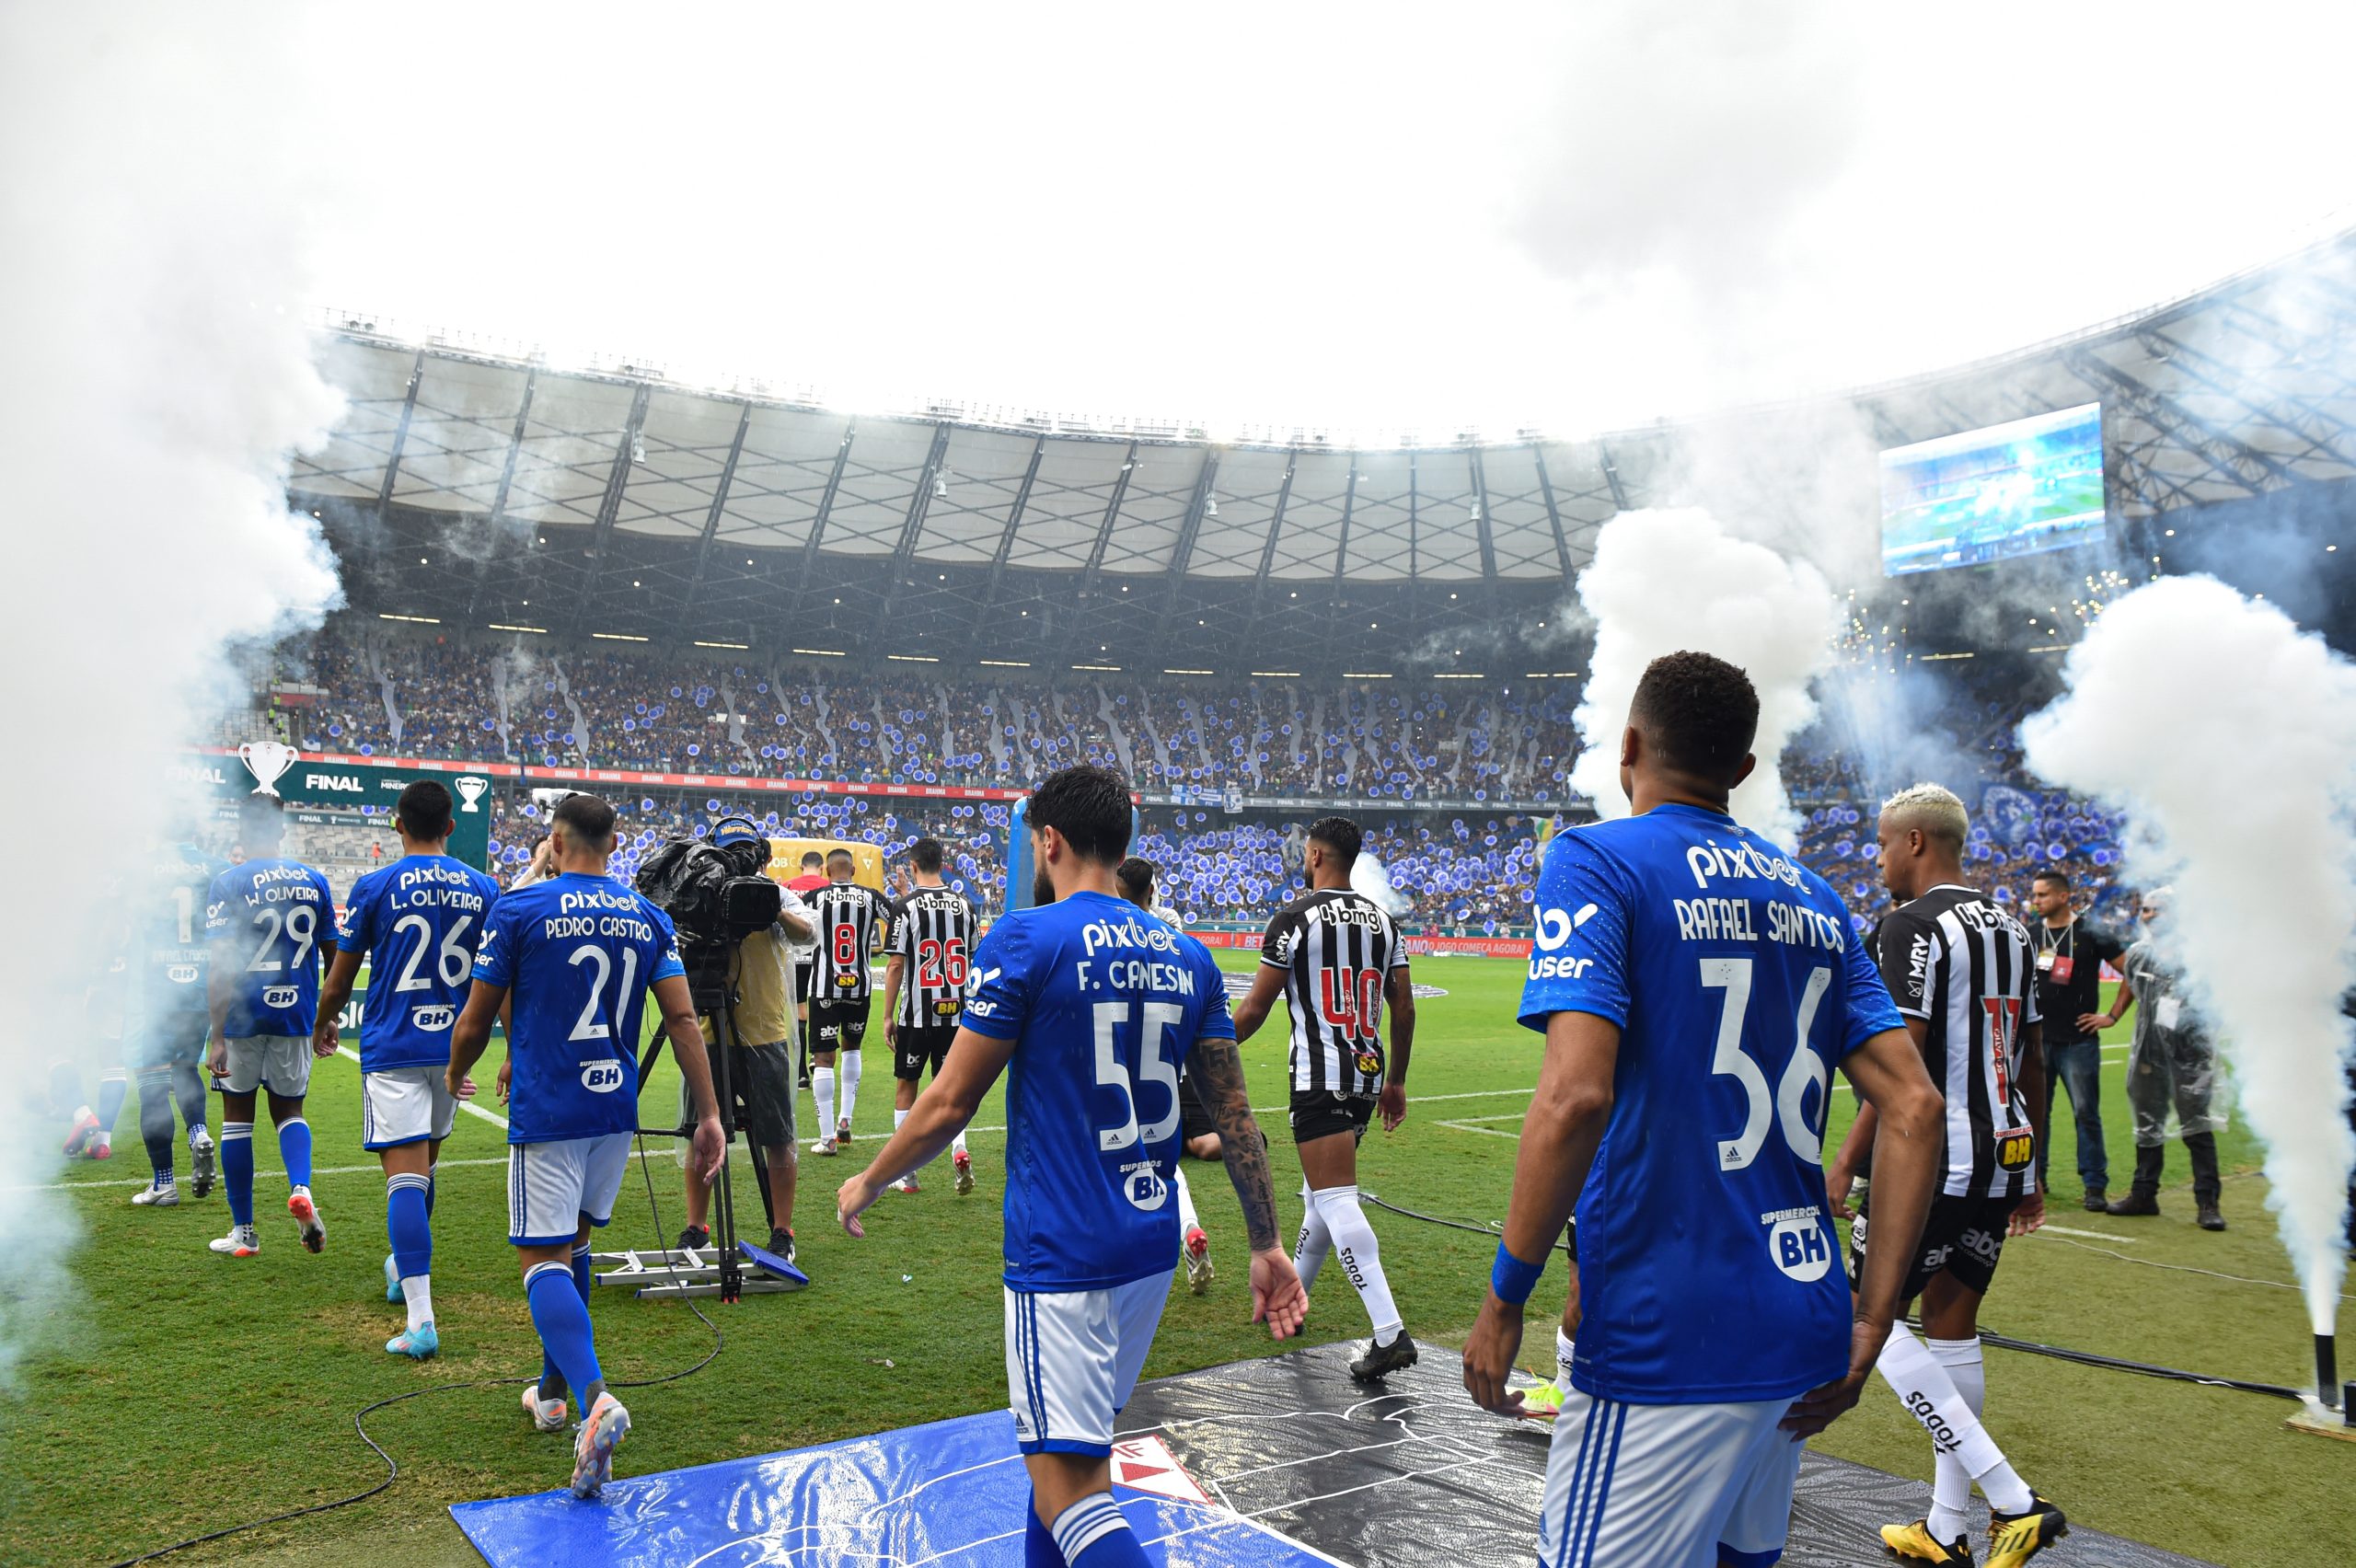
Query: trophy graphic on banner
pixel 470 789
pixel 268 762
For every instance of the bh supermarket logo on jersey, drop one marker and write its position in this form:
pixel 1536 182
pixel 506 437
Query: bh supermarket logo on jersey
pixel 602 1077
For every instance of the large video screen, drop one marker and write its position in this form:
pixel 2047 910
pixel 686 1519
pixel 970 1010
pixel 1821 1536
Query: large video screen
pixel 1994 493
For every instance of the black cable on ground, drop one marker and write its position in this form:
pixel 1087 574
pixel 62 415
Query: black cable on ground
pixel 2001 1341
pixel 392 1467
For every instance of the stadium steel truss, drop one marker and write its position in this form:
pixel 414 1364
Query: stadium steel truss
pixel 478 487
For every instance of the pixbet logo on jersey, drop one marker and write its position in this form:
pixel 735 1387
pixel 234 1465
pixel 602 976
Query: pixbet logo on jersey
pixel 1553 928
pixel 602 1077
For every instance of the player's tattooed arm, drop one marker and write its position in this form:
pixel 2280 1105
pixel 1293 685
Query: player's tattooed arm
pixel 1217 1071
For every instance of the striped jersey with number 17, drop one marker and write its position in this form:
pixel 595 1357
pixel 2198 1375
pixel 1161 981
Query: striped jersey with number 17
pixel 849 918
pixel 933 931
pixel 1337 950
pixel 1966 968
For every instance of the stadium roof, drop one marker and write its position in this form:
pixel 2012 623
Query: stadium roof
pixel 609 500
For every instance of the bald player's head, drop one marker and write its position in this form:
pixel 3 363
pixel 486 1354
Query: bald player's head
pixel 1920 834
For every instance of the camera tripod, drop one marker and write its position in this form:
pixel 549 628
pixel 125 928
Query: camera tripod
pixel 717 1269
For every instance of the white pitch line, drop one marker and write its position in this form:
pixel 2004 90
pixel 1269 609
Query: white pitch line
pixel 2090 1235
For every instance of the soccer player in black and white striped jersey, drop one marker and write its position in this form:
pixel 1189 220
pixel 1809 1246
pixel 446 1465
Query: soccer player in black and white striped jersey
pixel 1963 973
pixel 933 931
pixel 850 920
pixel 1337 958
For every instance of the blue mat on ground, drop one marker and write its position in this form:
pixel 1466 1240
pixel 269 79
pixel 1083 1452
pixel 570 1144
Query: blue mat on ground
pixel 950 1493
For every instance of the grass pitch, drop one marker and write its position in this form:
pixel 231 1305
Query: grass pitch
pixel 180 1392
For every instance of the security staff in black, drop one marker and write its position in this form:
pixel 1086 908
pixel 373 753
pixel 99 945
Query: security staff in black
pixel 1337 958
pixel 924 988
pixel 850 921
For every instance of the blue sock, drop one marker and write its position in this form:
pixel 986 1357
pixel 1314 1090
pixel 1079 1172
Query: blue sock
pixel 113 1084
pixel 238 1169
pixel 406 1224
pixel 582 1280
pixel 294 1148
pixel 1092 1534
pixel 1039 1548
pixel 429 1195
pixel 561 1320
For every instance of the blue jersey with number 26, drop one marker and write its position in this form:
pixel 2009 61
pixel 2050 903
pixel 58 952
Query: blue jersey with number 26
pixel 420 919
pixel 1103 1002
pixel 1709 1271
pixel 576 955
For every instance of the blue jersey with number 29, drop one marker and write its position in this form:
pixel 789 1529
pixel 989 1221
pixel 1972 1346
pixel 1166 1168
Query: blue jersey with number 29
pixel 1709 1271
pixel 576 955
pixel 1103 1002
pixel 264 924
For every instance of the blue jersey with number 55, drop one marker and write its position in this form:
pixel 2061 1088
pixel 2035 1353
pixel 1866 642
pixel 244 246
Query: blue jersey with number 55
pixel 1709 1271
pixel 419 920
pixel 1103 1002
pixel 576 955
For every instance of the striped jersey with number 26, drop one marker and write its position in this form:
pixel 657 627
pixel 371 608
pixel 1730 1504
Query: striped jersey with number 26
pixel 1709 1271
pixel 932 930
pixel 1337 950
pixel 1103 1004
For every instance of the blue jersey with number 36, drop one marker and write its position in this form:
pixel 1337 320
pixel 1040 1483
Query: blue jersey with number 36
pixel 1709 1271
pixel 1103 1002
pixel 420 920
pixel 576 955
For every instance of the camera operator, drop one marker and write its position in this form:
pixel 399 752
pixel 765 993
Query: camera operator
pixel 760 1071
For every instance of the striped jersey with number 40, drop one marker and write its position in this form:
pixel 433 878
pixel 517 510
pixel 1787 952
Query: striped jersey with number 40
pixel 1337 950
pixel 849 918
pixel 1968 969
pixel 933 932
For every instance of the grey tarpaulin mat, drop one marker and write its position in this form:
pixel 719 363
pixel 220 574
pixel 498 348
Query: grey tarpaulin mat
pixel 1415 1475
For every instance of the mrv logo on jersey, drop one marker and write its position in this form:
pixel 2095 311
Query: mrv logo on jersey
pixel 602 1077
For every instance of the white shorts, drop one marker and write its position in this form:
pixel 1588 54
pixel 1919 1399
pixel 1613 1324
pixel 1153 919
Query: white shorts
pixel 1072 1358
pixel 280 1063
pixel 405 1105
pixel 1667 1486
pixel 553 1187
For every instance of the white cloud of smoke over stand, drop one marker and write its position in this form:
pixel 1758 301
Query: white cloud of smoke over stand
pixel 1662 581
pixel 157 378
pixel 2229 738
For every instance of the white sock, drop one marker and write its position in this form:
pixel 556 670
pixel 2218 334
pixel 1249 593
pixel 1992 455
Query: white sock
pixel 417 1290
pixel 822 1086
pixel 1930 1395
pixel 1951 1483
pixel 899 1118
pixel 1309 1252
pixel 1187 1219
pixel 1361 1257
pixel 1085 1522
pixel 957 1144
pixel 850 1062
pixel 1562 1359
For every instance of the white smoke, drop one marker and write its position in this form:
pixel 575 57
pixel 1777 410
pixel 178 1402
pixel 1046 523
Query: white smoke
pixel 157 377
pixel 1670 580
pixel 2229 737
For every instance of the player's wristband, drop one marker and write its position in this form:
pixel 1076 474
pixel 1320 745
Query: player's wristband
pixel 1512 1279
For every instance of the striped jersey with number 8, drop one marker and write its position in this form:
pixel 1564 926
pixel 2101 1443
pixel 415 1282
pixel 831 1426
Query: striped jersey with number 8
pixel 933 932
pixel 850 917
pixel 1337 950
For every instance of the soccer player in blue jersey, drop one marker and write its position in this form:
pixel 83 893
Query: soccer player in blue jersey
pixel 1094 1006
pixel 576 955
pixel 172 1015
pixel 265 923
pixel 417 922
pixel 1696 985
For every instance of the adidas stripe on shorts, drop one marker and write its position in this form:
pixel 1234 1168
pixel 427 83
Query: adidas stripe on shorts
pixel 552 1187
pixel 1682 1486
pixel 1072 1359
pixel 280 1063
pixel 405 1105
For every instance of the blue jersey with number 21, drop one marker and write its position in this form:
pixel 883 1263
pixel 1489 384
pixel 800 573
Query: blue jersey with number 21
pixel 1709 1271
pixel 1103 1002
pixel 576 955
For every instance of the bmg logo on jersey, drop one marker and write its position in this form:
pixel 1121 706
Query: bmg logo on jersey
pixel 602 1077
pixel 433 1020
pixel 281 996
pixel 1800 1249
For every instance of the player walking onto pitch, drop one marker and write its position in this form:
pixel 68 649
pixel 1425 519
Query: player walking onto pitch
pixel 924 989
pixel 578 953
pixel 265 922
pixel 850 921
pixel 1197 1133
pixel 1336 956
pixel 1092 1006
pixel 418 922
pixel 1696 985
pixel 172 1017
pixel 1964 973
